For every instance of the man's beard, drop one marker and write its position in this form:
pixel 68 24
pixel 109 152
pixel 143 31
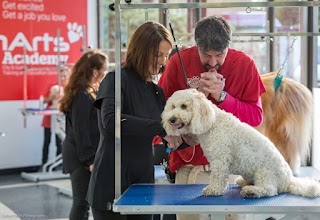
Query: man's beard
pixel 208 67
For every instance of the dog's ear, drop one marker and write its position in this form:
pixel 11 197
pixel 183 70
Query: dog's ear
pixel 203 114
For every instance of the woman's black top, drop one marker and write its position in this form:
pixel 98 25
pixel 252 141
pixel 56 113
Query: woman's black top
pixel 82 133
pixel 141 106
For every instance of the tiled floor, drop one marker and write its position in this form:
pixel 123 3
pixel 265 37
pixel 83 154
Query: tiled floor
pixel 22 199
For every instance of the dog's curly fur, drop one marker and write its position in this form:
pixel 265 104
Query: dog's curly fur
pixel 233 147
pixel 287 119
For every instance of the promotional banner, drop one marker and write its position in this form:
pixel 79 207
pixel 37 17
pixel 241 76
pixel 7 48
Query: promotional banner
pixel 37 37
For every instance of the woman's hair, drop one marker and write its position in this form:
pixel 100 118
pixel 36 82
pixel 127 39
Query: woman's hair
pixel 143 47
pixel 81 75
pixel 212 33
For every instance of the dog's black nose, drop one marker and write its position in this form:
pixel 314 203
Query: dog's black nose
pixel 173 119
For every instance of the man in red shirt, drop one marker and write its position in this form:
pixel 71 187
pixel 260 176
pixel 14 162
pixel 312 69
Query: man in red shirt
pixel 229 78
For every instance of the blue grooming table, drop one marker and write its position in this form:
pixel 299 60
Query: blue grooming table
pixel 188 199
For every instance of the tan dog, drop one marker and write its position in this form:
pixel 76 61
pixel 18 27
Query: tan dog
pixel 288 119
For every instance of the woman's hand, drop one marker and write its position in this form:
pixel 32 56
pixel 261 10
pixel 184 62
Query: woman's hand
pixel 173 141
pixel 190 139
pixel 91 168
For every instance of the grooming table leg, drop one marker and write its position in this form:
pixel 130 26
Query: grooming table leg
pixel 217 216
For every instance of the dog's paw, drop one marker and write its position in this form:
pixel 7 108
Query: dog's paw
pixel 258 192
pixel 249 192
pixel 209 191
pixel 242 182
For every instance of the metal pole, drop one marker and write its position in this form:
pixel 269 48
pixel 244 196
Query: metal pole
pixel 271 30
pixel 25 86
pixel 98 22
pixel 58 61
pixel 221 5
pixel 311 49
pixel 117 155
pixel 163 18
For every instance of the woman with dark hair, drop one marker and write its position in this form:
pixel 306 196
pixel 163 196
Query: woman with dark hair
pixel 82 133
pixel 142 102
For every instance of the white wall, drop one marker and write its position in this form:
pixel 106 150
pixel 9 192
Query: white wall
pixel 22 147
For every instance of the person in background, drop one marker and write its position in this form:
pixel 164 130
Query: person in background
pixel 142 103
pixel 82 133
pixel 228 77
pixel 51 99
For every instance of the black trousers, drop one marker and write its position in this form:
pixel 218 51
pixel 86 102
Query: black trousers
pixel 108 215
pixel 46 143
pixel 79 181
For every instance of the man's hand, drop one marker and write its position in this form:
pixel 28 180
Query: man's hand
pixel 211 83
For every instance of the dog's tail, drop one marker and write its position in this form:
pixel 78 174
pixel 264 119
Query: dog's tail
pixel 304 187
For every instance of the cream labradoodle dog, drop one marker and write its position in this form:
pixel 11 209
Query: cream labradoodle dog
pixel 233 147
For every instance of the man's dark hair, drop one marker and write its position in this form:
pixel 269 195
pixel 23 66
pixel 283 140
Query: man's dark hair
pixel 212 33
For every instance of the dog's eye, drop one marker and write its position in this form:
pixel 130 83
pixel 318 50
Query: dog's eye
pixel 183 106
pixel 172 106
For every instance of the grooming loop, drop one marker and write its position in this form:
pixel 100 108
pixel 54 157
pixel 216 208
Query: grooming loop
pixel 178 52
pixel 146 15
pixel 278 79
